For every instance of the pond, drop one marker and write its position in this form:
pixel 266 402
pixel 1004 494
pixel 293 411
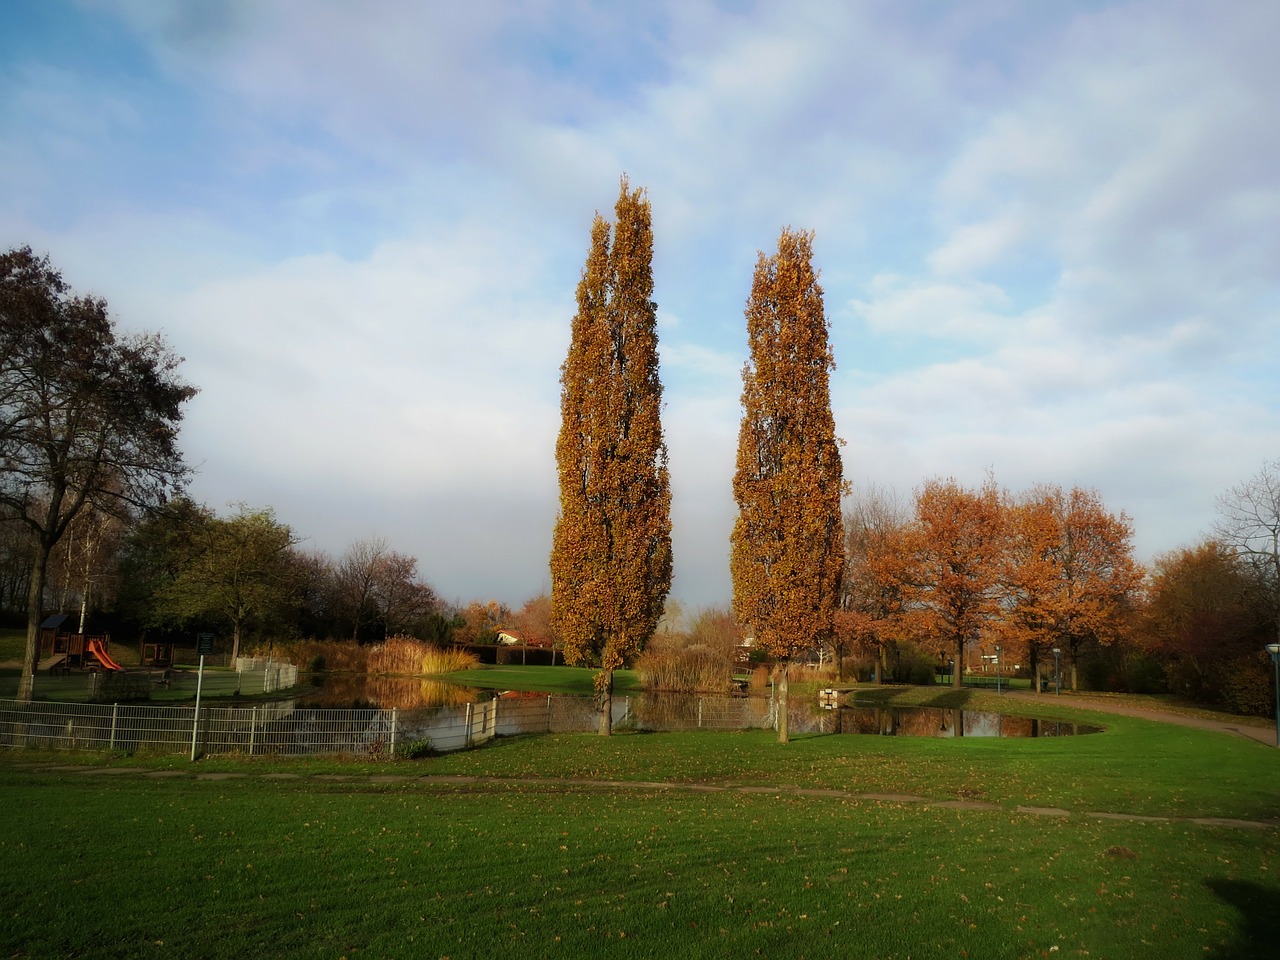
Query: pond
pixel 510 712
pixel 936 722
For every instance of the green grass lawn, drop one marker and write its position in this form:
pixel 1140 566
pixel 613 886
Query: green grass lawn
pixel 527 852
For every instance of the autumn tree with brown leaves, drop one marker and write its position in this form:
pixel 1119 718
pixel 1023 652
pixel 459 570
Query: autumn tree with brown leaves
pixel 611 550
pixel 787 546
pixel 1071 574
pixel 953 552
pixel 871 590
pixel 1208 613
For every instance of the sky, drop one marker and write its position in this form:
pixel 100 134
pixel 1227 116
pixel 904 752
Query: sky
pixel 1048 236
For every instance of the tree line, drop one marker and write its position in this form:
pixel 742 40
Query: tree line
pixel 247 577
pixel 90 469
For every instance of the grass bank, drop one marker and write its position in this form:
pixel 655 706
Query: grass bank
pixel 126 865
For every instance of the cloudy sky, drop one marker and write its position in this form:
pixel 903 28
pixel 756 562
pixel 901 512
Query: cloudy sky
pixel 1049 236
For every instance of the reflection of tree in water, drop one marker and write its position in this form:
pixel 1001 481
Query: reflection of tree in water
pixel 405 693
pixel 939 722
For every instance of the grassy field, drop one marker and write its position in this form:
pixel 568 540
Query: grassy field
pixel 560 846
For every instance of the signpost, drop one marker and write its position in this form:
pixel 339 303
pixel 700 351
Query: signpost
pixel 204 645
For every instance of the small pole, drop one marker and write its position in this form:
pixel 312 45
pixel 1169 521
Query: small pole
pixel 548 713
pixel 195 719
pixel 699 713
pixel 1274 650
pixel 253 728
pixel 393 731
pixel 115 713
pixel 466 736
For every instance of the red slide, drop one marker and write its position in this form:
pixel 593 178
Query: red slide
pixel 99 651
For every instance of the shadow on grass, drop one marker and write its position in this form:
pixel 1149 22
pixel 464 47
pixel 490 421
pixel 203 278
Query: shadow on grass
pixel 1259 930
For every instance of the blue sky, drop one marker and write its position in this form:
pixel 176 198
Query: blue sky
pixel 1047 235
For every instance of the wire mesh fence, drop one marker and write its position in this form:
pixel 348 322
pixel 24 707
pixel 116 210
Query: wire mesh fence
pixel 285 728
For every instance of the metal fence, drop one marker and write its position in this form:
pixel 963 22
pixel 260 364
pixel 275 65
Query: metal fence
pixel 283 728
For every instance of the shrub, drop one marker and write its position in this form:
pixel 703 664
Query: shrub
pixel 1248 685
pixel 333 655
pixel 415 749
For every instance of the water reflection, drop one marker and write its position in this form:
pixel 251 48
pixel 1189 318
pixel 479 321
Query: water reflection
pixel 937 722
pixel 510 713
pixel 345 690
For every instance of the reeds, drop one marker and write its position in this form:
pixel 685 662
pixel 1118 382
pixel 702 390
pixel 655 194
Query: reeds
pixel 684 670
pixel 404 655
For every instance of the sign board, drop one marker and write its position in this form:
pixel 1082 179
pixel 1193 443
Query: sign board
pixel 204 644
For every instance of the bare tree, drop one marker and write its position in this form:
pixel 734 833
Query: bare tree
pixel 87 417
pixel 355 580
pixel 1249 524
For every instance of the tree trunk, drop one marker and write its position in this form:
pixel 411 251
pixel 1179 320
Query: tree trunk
pixel 35 602
pixel 1036 686
pixel 784 725
pixel 957 670
pixel 604 700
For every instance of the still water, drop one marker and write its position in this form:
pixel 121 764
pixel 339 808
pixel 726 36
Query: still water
pixel 667 711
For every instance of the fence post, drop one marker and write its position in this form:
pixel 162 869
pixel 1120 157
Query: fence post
pixel 115 713
pixel 699 713
pixel 466 733
pixel 393 731
pixel 548 713
pixel 253 728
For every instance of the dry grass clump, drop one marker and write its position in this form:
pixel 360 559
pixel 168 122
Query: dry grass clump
pixel 684 670
pixel 331 655
pixel 700 661
pixel 399 655
pixel 404 655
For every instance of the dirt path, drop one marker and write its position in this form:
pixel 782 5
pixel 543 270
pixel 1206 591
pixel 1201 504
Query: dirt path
pixel 1262 734
pixel 556 783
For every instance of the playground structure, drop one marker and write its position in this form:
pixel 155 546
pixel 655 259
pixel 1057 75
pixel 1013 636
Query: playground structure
pixel 61 650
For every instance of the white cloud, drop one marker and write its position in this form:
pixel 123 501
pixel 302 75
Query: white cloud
pixel 1046 238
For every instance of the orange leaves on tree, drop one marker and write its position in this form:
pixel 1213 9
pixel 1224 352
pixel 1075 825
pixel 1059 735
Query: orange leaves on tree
pixel 787 546
pixel 611 550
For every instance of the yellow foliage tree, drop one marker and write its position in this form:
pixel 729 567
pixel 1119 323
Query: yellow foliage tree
pixel 611 550
pixel 787 546
pixel 1071 572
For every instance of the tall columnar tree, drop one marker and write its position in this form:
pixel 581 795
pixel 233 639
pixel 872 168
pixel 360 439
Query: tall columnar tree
pixel 787 546
pixel 611 551
pixel 88 417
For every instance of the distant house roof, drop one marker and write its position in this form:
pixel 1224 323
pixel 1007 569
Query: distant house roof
pixel 509 636
pixel 56 621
